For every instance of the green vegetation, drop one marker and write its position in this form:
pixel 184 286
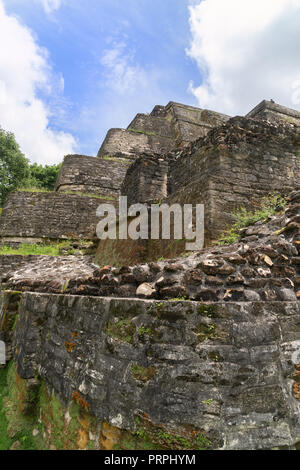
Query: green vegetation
pixel 141 132
pixel 96 196
pixel 122 329
pixel 44 177
pixel 150 437
pixel 5 440
pixel 32 419
pixel 207 402
pixel 15 427
pixel 199 442
pixel 116 159
pixel 33 189
pixel 270 206
pixel 204 332
pixel 207 310
pixel 143 374
pixel 142 330
pixel 32 249
pixel 14 167
pixel 16 171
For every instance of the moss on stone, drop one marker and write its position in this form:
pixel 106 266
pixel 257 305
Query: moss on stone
pixel 149 436
pixel 11 303
pixel 207 310
pixel 122 329
pixel 205 332
pixel 18 415
pixel 59 427
pixel 143 374
pixel 141 132
pixel 24 409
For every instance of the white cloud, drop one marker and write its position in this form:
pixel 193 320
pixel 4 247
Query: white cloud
pixel 127 87
pixel 123 75
pixel 246 51
pixel 24 75
pixel 50 5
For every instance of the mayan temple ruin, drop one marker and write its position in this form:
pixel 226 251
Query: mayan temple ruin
pixel 136 343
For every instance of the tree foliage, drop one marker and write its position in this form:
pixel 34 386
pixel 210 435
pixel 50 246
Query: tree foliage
pixel 16 172
pixel 14 167
pixel 44 177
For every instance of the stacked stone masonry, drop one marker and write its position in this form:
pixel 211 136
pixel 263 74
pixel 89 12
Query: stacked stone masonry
pixel 234 166
pixel 263 266
pixel 223 163
pixel 161 131
pixel 273 112
pixel 203 349
pixel 146 180
pixel 224 372
pixel 49 215
pixel 90 175
pixel 213 337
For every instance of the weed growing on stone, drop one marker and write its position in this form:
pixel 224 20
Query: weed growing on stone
pixel 270 206
pixel 204 332
pixel 207 310
pixel 142 330
pixel 143 374
pixel 207 402
pixel 123 330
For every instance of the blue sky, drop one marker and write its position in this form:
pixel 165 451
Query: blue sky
pixel 116 57
pixel 70 70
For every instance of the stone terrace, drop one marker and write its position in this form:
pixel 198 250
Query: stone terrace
pixel 264 265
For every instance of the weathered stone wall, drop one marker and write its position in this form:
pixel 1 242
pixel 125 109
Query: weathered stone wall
pixel 164 129
pixel 72 266
pixel 235 166
pixel 273 112
pixel 146 180
pixel 226 373
pixel 191 123
pixel 10 263
pixel 92 175
pixel 263 266
pixel 154 124
pixel 49 215
pixel 129 144
pixel 159 111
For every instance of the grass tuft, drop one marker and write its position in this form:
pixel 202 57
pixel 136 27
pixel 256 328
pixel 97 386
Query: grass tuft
pixel 270 206
pixel 27 249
